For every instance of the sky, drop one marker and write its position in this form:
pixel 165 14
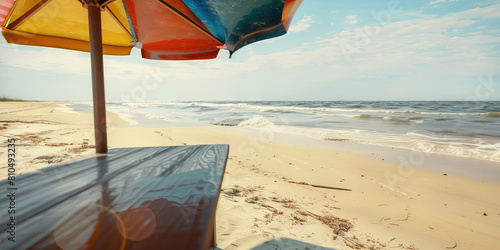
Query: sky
pixel 363 50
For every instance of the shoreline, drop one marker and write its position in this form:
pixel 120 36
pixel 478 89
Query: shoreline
pixel 443 132
pixel 389 206
pixel 473 168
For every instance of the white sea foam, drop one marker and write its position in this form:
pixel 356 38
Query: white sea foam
pixel 337 115
pixel 453 146
pixel 257 121
pixel 378 124
pixel 123 112
pixel 394 119
pixel 127 118
pixel 65 109
pixel 488 151
pixel 142 104
pixel 417 121
pixel 157 117
pixel 335 111
pixel 267 108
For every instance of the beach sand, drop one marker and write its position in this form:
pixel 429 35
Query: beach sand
pixel 268 199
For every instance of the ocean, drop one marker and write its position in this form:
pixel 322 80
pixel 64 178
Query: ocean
pixel 465 129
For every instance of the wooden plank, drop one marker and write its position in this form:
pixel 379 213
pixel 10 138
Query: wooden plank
pixel 129 198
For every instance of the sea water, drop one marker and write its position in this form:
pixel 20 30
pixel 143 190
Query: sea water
pixel 466 129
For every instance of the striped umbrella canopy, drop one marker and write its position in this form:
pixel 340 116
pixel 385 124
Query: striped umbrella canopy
pixel 5 6
pixel 167 30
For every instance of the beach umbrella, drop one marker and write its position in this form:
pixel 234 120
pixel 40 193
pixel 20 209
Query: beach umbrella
pixel 167 30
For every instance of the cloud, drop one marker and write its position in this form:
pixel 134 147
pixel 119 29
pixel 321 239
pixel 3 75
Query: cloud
pixel 423 50
pixel 423 36
pixel 489 12
pixel 56 61
pixel 424 39
pixel 486 2
pixel 426 48
pixel 440 1
pixel 45 59
pixel 302 24
pixel 353 19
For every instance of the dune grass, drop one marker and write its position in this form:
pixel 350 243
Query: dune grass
pixel 5 99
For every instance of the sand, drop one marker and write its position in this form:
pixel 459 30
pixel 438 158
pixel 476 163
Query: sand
pixel 268 201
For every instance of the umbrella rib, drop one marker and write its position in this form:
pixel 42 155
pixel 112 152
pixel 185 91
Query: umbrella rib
pixel 253 33
pixel 112 14
pixel 9 15
pixel 65 38
pixel 27 15
pixel 181 15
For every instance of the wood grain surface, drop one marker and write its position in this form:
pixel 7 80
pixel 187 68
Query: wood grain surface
pixel 128 198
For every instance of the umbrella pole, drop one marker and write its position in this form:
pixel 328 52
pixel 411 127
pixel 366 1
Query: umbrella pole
pixel 101 142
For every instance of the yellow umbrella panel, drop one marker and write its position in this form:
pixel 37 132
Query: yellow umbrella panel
pixel 98 26
pixel 64 24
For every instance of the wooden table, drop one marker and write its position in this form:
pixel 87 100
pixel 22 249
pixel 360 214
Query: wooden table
pixel 128 198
